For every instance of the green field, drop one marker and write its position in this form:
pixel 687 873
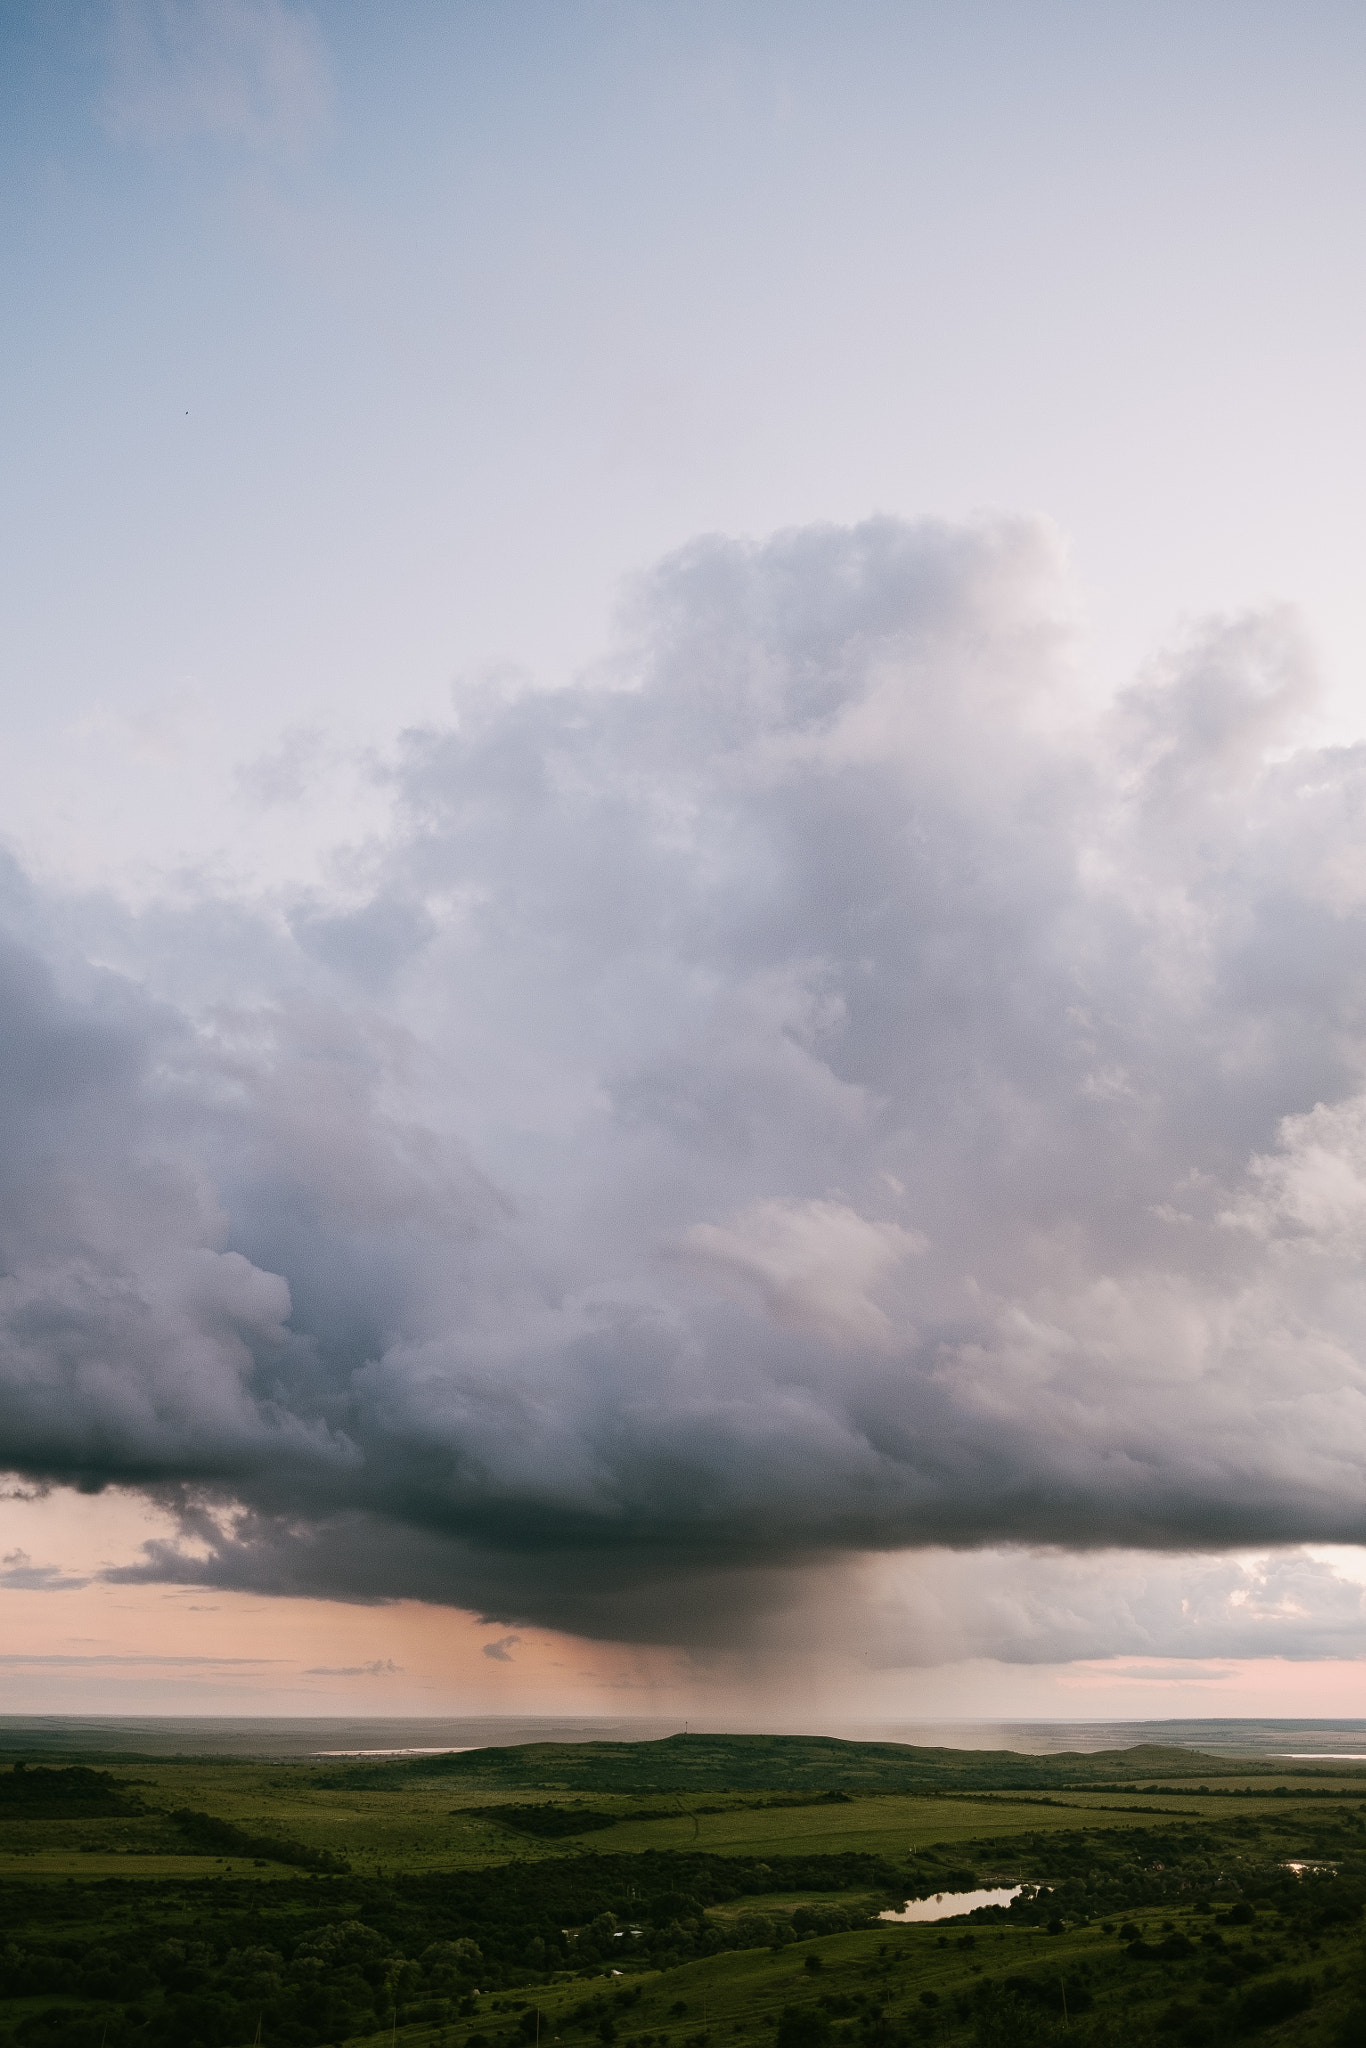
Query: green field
pixel 401 1817
pixel 414 1828
pixel 492 1900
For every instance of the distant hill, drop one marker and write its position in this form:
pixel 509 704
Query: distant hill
pixel 803 1763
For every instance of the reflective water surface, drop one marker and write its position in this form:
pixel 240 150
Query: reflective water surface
pixel 944 1905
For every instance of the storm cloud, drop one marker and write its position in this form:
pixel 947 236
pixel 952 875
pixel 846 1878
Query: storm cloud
pixel 823 1084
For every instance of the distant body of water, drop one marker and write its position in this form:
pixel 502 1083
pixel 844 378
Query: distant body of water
pixel 157 1735
pixel 944 1905
pixel 286 1736
pixel 1312 1740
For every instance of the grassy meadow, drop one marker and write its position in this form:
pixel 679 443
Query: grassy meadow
pixel 391 1819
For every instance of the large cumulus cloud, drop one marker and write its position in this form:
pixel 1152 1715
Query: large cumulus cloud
pixel 822 1084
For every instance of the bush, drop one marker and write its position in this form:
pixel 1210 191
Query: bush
pixel 755 1930
pixel 824 1919
pixel 347 1941
pixel 1352 2030
pixel 443 1961
pixel 1004 2021
pixel 802 2027
pixel 1280 1999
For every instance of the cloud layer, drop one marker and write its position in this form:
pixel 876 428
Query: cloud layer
pixel 819 1086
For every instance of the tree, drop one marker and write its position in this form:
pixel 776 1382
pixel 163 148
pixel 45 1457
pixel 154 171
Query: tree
pixel 801 2026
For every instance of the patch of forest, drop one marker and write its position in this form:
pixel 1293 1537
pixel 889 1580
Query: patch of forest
pixel 73 1792
pixel 550 1822
pixel 209 1836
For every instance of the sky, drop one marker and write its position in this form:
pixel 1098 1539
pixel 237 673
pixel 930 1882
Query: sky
pixel 683 859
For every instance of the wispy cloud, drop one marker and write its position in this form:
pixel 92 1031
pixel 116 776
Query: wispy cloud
pixel 1171 1674
pixel 21 1574
pixel 150 1659
pixel 501 1651
pixel 249 72
pixel 379 1667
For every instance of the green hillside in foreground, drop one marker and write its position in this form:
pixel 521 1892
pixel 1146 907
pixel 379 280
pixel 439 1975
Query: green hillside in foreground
pixel 261 1904
pixel 807 1763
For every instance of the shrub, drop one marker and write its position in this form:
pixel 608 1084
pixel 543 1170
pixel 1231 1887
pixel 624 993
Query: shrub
pixel 1279 1999
pixel 802 2027
pixel 1005 2021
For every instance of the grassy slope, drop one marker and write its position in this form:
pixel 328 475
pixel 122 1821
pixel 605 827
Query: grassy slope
pixel 737 1997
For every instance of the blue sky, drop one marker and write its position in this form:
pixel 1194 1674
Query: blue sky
pixel 346 352
pixel 410 740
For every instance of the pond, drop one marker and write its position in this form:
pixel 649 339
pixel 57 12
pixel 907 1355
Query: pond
pixel 944 1905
